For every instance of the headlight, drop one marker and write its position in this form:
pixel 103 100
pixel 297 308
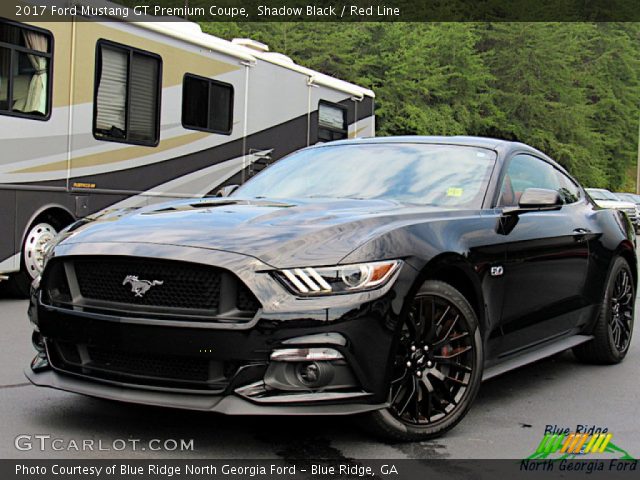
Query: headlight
pixel 313 281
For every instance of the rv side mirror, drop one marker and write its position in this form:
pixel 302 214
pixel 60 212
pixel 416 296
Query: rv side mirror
pixel 226 191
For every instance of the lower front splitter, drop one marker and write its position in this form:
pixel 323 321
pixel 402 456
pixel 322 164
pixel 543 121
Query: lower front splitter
pixel 227 404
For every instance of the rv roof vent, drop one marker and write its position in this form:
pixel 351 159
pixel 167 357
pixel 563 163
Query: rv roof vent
pixel 252 44
pixel 281 57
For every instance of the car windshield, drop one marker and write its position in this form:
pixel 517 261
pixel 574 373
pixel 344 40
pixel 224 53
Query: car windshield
pixel 598 194
pixel 444 175
pixel 628 197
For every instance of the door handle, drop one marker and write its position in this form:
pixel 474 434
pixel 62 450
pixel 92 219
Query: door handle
pixel 581 231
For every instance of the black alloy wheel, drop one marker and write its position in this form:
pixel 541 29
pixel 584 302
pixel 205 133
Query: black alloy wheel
pixel 437 367
pixel 614 327
pixel 621 316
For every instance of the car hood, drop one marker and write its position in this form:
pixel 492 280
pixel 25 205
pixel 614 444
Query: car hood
pixel 280 233
pixel 615 204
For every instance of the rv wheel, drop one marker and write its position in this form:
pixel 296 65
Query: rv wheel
pixel 40 233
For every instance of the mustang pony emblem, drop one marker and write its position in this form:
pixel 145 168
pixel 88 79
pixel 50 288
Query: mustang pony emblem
pixel 140 287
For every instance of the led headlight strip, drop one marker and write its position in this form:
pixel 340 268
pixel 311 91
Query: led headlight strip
pixel 308 281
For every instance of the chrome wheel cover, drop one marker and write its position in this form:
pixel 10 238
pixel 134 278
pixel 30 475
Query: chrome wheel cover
pixel 35 247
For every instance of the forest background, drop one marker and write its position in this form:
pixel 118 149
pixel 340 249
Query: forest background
pixel 569 89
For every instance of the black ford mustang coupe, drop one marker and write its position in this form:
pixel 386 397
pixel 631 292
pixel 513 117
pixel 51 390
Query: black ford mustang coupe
pixel 385 277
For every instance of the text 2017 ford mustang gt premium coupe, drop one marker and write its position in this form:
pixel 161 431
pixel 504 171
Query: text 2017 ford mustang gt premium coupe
pixel 387 276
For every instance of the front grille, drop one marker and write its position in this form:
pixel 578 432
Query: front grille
pixel 183 368
pixel 141 368
pixel 631 213
pixel 139 285
pixel 170 284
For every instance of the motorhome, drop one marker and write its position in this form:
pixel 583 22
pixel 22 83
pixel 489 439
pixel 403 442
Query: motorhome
pixel 110 112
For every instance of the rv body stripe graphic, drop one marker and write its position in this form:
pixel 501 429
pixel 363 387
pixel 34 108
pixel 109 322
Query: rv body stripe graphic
pixel 114 156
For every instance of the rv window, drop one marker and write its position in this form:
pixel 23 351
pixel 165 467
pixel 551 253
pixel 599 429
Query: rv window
pixel 127 97
pixel 5 57
pixel 332 122
pixel 25 71
pixel 207 105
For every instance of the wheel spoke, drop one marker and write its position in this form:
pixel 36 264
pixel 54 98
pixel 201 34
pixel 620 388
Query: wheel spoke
pixel 411 323
pixel 404 374
pixel 429 334
pixel 615 331
pixel 626 298
pixel 427 383
pixel 435 325
pixel 458 336
pixel 400 393
pixel 437 374
pixel 416 400
pixel 413 391
pixel 438 401
pixel 453 364
pixel 457 381
pixel 456 353
pixel 444 340
pixel 427 414
pixel 445 394
pixel 420 319
pixel 624 326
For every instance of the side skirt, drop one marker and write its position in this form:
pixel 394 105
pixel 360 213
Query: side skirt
pixel 531 356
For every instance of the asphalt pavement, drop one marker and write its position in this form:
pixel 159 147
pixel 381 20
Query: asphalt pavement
pixel 507 420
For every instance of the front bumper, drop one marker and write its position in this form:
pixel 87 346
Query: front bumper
pixel 360 327
pixel 225 404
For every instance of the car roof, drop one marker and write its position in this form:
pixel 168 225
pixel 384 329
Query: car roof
pixel 502 147
pixel 467 141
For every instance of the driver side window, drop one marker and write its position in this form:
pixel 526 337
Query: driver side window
pixel 525 171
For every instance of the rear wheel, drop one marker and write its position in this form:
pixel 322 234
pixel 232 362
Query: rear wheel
pixel 40 233
pixel 437 367
pixel 613 329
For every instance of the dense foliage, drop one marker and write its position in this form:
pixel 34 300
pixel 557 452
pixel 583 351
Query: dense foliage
pixel 569 89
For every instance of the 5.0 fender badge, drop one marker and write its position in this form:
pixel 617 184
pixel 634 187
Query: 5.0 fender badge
pixel 140 287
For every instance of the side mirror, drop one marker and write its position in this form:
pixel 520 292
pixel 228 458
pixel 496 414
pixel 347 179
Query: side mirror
pixel 536 199
pixel 539 198
pixel 226 191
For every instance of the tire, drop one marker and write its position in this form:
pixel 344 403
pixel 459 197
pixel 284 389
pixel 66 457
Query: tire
pixel 40 232
pixel 614 327
pixel 430 342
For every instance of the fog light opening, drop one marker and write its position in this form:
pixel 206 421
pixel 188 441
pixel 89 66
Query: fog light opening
pixel 314 374
pixel 38 342
pixel 308 373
